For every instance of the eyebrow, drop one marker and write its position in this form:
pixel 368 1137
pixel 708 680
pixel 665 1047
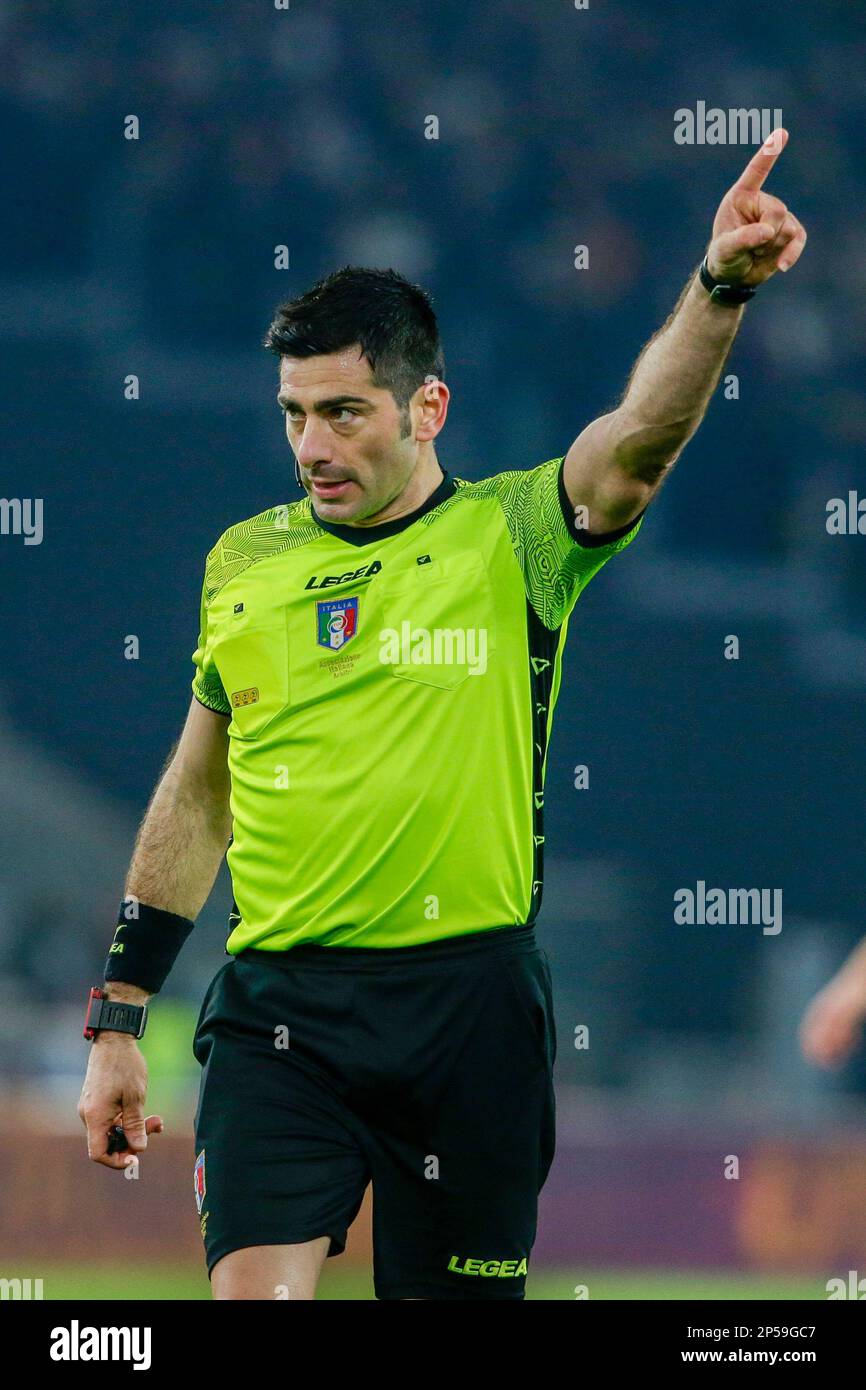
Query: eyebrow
pixel 332 402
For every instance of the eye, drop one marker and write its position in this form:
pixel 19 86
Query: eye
pixel 345 410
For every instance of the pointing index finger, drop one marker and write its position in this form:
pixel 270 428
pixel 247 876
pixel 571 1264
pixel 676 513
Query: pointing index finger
pixel 759 166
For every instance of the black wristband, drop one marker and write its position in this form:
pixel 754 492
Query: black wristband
pixel 145 946
pixel 720 293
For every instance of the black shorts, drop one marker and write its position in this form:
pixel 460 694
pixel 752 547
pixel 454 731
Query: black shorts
pixel 427 1070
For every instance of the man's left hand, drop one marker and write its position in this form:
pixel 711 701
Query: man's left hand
pixel 754 234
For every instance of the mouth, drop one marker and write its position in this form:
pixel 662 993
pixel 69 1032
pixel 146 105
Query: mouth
pixel 330 489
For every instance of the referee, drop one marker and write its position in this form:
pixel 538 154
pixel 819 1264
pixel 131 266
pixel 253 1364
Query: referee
pixel 375 678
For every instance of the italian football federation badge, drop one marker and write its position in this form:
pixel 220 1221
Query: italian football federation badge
pixel 198 1181
pixel 336 622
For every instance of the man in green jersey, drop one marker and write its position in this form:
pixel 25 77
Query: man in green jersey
pixel 375 678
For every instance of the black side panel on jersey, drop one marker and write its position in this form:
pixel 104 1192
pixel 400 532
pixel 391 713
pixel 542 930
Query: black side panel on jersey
pixel 543 643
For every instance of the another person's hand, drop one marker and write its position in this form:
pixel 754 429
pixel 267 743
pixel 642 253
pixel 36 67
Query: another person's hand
pixel 832 1025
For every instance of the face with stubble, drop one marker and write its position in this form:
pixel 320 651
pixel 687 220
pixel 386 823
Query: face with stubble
pixel 356 457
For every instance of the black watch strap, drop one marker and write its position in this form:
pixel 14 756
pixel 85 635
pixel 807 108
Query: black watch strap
pixel 721 293
pixel 106 1015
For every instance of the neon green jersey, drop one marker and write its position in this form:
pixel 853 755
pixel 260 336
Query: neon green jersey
pixel 391 690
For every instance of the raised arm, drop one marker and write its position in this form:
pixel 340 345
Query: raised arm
pixel 614 468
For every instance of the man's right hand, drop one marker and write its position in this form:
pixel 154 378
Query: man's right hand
pixel 114 1093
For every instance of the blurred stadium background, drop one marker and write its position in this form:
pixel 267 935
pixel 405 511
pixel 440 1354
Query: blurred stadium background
pixel 305 127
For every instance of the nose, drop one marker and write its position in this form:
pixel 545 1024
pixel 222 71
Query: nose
pixel 315 446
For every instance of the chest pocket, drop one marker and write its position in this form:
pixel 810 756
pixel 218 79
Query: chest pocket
pixel 439 620
pixel 251 653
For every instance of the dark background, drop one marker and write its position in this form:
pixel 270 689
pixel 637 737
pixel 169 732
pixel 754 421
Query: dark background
pixel 155 257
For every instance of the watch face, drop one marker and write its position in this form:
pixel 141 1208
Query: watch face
pixel 730 294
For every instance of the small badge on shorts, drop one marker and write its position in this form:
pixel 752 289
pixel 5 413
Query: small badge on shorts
pixel 199 1182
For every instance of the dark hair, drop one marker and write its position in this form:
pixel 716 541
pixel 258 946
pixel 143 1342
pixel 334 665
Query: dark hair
pixel 392 321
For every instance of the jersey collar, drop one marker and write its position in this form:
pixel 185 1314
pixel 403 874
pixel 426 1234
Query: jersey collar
pixel 365 535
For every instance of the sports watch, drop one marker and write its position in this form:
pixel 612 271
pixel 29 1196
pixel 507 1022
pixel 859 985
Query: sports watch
pixel 106 1015
pixel 722 293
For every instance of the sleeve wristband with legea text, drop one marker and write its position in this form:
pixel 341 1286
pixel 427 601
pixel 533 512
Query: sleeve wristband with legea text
pixel 146 947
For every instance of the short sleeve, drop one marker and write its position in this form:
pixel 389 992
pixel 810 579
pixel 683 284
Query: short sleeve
pixel 557 558
pixel 206 685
